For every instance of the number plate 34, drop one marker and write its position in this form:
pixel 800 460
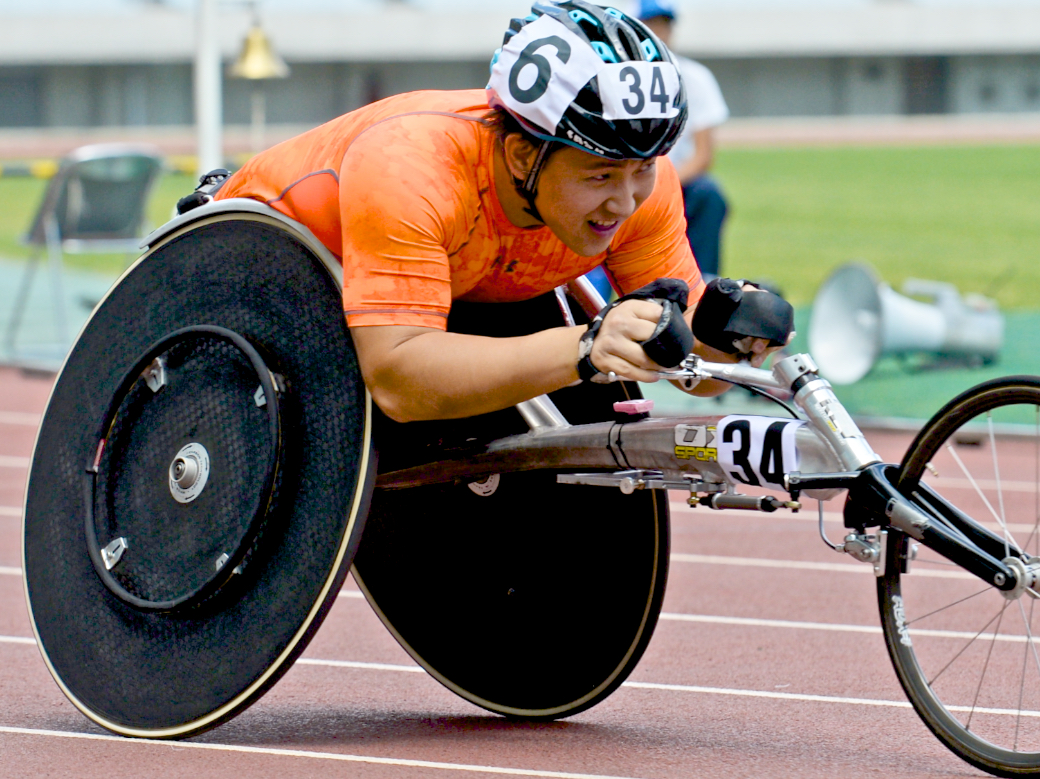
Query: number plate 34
pixel 757 450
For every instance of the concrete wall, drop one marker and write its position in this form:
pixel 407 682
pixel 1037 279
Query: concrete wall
pixel 81 95
pixel 90 66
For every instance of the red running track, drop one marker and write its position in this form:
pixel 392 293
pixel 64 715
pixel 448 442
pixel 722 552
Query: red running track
pixel 768 662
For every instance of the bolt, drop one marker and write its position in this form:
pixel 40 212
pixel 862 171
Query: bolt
pixel 999 579
pixel 185 472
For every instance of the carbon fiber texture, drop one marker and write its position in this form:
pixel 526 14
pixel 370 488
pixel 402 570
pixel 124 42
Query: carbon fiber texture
pixel 133 669
pixel 208 399
pixel 540 596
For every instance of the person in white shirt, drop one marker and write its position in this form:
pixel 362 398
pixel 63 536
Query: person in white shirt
pixel 694 153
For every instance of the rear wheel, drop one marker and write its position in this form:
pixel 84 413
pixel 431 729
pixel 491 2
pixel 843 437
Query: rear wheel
pixel 967 656
pixel 528 598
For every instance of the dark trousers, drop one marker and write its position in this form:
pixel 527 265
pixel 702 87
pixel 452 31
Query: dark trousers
pixel 705 212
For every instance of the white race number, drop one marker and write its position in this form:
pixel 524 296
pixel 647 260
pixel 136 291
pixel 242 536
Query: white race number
pixel 757 450
pixel 542 68
pixel 639 90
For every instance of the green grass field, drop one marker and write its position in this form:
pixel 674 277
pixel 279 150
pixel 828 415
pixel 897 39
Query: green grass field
pixel 20 197
pixel 965 214
pixel 968 215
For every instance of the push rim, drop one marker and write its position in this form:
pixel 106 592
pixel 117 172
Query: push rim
pixel 199 587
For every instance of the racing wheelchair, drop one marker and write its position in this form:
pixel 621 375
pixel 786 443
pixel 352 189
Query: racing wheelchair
pixel 210 467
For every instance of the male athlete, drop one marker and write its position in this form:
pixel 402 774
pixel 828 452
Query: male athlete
pixel 502 195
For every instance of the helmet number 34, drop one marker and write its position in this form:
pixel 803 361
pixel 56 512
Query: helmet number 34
pixel 638 90
pixel 658 94
pixel 630 90
pixel 541 71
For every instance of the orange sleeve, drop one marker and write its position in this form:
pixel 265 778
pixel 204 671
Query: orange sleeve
pixel 652 244
pixel 406 205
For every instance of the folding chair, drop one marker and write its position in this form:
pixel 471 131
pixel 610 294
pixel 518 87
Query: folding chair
pixel 95 203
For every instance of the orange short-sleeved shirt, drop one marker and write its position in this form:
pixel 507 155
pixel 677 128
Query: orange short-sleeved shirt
pixel 402 191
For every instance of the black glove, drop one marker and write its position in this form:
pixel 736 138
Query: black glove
pixel 671 340
pixel 726 313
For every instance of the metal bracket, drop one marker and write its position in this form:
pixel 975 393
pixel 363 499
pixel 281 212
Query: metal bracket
pixel 630 481
pixel 279 386
pixel 113 553
pixel 155 374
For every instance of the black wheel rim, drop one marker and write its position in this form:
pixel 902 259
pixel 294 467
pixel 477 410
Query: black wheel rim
pixel 966 655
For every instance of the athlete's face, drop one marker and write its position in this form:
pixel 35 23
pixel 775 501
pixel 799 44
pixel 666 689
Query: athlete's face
pixel 584 198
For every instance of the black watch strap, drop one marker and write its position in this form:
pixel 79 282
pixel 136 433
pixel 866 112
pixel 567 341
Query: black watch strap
pixel 671 341
pixel 586 370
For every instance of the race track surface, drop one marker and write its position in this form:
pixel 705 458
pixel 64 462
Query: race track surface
pixel 768 662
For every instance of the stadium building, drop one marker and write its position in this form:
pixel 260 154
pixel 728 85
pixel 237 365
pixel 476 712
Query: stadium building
pixel 117 63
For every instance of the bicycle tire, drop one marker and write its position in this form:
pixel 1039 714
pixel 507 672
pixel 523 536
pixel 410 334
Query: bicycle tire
pixel 966 655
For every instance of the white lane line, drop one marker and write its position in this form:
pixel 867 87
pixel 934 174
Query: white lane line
pixel 799 565
pixel 836 627
pixel 941 484
pixel 352 594
pixel 6 461
pixel 772 623
pixel 793 696
pixel 703 619
pixel 808 514
pixel 19 418
pixel 685 688
pixel 17 640
pixel 10 571
pixel 688 688
pixel 11 511
pixel 785 696
pixel 330 756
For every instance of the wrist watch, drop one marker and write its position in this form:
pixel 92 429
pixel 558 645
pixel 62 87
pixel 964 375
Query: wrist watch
pixel 586 370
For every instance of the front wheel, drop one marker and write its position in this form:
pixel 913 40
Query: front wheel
pixel 967 657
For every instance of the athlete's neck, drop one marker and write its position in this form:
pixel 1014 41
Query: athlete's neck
pixel 514 206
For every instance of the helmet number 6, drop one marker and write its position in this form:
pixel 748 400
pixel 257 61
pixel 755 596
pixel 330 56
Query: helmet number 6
pixel 529 57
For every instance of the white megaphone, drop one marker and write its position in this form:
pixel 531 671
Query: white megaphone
pixel 856 318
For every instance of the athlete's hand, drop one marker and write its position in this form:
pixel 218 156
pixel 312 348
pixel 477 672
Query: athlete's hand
pixel 617 346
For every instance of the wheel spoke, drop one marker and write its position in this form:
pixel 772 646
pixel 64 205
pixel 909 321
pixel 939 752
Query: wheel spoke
pixel 996 476
pixel 981 494
pixel 1036 482
pixel 949 606
pixel 985 667
pixel 998 616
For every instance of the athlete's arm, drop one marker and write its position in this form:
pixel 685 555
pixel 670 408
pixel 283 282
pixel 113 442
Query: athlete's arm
pixel 420 373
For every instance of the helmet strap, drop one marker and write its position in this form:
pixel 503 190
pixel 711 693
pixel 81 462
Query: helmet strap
pixel 528 188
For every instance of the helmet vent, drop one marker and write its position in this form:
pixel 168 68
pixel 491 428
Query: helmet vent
pixel 630 43
pixel 604 52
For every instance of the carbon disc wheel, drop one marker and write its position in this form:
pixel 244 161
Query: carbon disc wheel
pixel 200 479
pixel 966 655
pixel 526 597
